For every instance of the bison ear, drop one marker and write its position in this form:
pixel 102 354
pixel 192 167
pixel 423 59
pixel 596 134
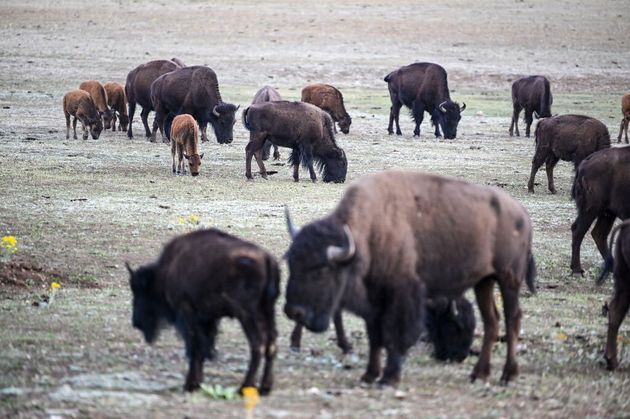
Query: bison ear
pixel 187 156
pixel 463 108
pixel 201 156
pixel 237 108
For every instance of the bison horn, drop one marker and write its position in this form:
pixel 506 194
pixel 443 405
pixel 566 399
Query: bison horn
pixel 215 112
pixel 292 230
pixel 342 254
pixel 454 310
pixel 129 268
pixel 441 107
pixel 463 107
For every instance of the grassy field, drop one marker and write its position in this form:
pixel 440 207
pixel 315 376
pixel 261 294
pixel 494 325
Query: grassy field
pixel 80 209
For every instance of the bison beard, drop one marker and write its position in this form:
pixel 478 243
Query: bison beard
pixel 397 238
pixel 199 278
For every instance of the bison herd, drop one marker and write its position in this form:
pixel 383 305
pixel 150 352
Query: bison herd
pixel 399 250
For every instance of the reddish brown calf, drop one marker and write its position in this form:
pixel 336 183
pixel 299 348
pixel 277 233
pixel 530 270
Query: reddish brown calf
pixel 117 101
pixel 99 96
pixel 625 111
pixel 185 143
pixel 79 104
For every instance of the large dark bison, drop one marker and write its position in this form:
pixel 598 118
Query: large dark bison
pixel 330 99
pixel 533 94
pixel 601 190
pixel 423 87
pixel 193 90
pixel 268 94
pixel 396 238
pixel 302 127
pixel 199 278
pixel 450 325
pixel 618 307
pixel 566 137
pixel 625 117
pixel 138 90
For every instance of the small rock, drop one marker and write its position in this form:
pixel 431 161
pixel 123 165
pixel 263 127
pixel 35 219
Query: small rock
pixel 399 394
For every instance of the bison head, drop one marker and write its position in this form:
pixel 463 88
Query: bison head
pixel 123 122
pixel 451 328
pixel 448 116
pixel 223 117
pixel 95 126
pixel 148 308
pixel 318 270
pixel 194 161
pixel 344 124
pixel 334 166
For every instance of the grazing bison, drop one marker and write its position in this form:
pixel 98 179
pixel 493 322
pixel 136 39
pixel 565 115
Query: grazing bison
pixel 199 278
pixel 194 90
pixel 185 143
pixel 625 119
pixel 138 90
pixel 422 87
pixel 566 137
pixel 601 190
pixel 79 104
pixel 396 238
pixel 117 101
pixel 304 128
pixel 450 325
pixel 268 94
pixel 451 328
pixel 618 307
pixel 330 99
pixel 533 94
pixel 99 96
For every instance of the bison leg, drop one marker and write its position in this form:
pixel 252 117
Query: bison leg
pixel 376 344
pixel 342 340
pixel 85 130
pixel 487 308
pixel 203 127
pixel 67 125
pixel 296 337
pixel 394 115
pixel 114 121
pixel 211 329
pixel 132 111
pixel 181 167
pixel 174 155
pixel 195 354
pixel 144 115
pixel 617 310
pixel 529 119
pixel 271 335
pixel 418 115
pixel 266 150
pixel 276 152
pixel 537 161
pixel 512 314
pixel 551 162
pixel 252 149
pixel 74 127
pixel 600 232
pixel 255 339
pixel 578 230
pixel 514 123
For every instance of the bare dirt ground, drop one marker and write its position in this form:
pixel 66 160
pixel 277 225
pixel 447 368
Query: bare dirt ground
pixel 80 209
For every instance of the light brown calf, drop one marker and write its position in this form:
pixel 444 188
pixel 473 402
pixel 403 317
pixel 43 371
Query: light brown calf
pixel 625 111
pixel 117 101
pixel 99 96
pixel 79 104
pixel 185 142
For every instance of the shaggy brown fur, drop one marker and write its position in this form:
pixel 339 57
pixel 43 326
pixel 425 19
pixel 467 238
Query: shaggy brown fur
pixel 185 143
pixel 99 96
pixel 566 137
pixel 533 94
pixel 330 99
pixel 396 238
pixel 79 104
pixel 117 101
pixel 601 190
pixel 625 119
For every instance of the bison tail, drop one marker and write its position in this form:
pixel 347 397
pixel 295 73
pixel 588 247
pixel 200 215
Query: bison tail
pixel 531 274
pixel 245 121
pixel 168 122
pixel 606 268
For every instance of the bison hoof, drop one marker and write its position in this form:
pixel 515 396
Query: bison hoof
pixel 611 363
pixel 579 272
pixel 509 373
pixel 190 387
pixel 369 378
pixel 552 191
pixel 481 372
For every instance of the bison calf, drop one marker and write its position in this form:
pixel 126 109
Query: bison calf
pixel 99 96
pixel 618 306
pixel 601 190
pixel 328 98
pixel 569 138
pixel 533 94
pixel 199 278
pixel 117 101
pixel 625 119
pixel 185 143
pixel 79 104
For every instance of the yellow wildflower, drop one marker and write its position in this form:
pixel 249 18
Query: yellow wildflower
pixel 55 285
pixel 9 243
pixel 250 397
